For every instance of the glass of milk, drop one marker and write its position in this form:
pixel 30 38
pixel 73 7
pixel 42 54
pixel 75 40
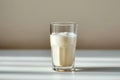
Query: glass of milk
pixel 63 45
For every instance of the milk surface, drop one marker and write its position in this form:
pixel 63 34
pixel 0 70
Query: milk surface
pixel 63 48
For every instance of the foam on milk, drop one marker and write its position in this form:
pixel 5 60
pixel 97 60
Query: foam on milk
pixel 63 48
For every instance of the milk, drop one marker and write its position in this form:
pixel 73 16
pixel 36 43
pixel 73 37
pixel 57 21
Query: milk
pixel 63 48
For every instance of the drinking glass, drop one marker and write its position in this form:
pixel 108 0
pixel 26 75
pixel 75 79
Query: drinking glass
pixel 63 45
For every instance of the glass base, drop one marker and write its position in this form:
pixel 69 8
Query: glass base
pixel 63 69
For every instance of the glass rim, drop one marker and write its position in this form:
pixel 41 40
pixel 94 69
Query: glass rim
pixel 64 22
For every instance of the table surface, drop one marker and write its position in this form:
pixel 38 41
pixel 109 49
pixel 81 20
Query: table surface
pixel 36 65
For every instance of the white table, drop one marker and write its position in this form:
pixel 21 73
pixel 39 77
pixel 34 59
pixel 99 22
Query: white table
pixel 36 65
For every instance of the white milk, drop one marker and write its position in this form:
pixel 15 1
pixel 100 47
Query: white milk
pixel 63 48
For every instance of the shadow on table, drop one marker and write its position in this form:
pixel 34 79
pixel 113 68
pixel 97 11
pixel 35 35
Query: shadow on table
pixel 96 69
